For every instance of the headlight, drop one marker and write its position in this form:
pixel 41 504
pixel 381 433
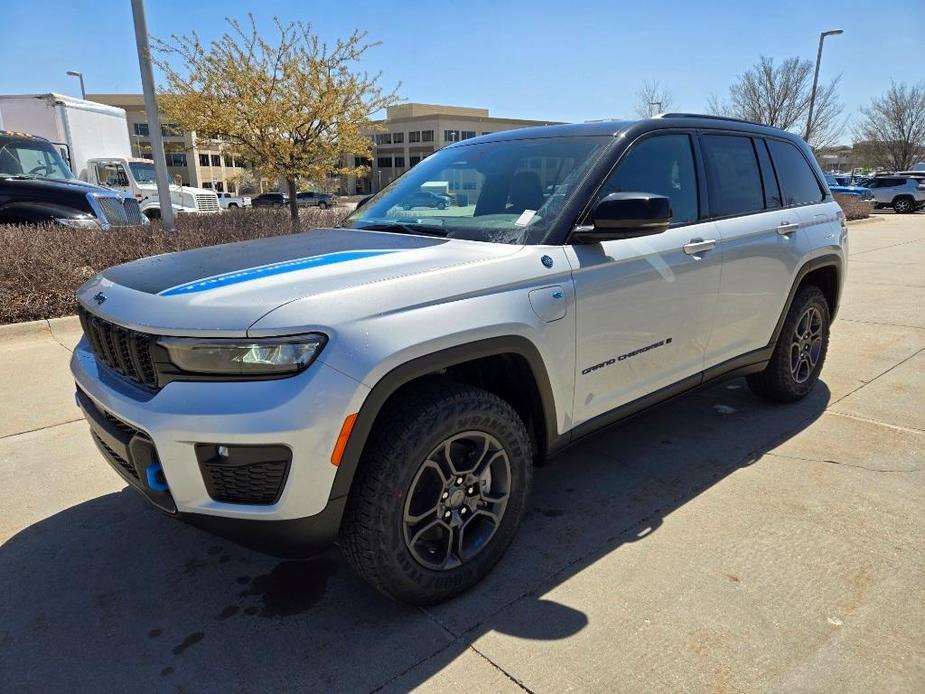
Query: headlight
pixel 273 356
pixel 79 222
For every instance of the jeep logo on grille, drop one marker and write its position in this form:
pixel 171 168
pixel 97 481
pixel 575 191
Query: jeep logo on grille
pixel 99 298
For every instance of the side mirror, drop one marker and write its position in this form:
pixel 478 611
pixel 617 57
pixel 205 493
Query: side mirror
pixel 363 201
pixel 625 216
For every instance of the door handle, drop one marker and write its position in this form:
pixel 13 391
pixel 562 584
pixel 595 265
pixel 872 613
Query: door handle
pixel 785 228
pixel 698 246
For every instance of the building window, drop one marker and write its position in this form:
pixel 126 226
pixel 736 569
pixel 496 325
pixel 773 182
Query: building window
pixel 466 134
pixel 216 160
pixel 399 162
pixel 361 161
pixel 203 160
pixel 414 136
pixel 427 136
pixel 384 162
pixel 383 138
pixel 414 159
pixel 141 129
pixel 176 158
pixel 451 136
pixel 206 184
pixel 220 186
pixel 398 138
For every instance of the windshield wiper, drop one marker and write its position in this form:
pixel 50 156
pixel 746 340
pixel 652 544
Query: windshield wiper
pixel 406 228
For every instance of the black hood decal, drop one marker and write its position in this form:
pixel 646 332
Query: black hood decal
pixel 157 274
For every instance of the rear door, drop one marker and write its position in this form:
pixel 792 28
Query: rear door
pixel 645 305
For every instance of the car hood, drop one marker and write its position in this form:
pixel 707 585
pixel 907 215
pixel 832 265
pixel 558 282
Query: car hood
pixel 47 186
pixel 223 290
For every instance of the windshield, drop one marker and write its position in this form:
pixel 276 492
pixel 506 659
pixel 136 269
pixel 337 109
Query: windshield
pixel 504 192
pixel 32 159
pixel 142 171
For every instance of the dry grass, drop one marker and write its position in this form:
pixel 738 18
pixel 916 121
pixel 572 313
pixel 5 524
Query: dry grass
pixel 42 266
pixel 853 207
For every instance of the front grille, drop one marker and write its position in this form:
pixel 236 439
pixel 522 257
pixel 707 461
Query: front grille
pixel 125 465
pixel 256 483
pixel 120 212
pixel 125 351
pixel 206 203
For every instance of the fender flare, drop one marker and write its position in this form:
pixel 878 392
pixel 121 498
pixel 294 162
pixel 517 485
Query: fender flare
pixel 828 260
pixel 428 364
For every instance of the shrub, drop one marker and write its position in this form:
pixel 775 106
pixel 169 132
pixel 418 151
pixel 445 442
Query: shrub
pixel 853 206
pixel 42 266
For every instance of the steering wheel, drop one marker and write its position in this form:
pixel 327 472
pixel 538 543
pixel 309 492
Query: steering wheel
pixel 47 167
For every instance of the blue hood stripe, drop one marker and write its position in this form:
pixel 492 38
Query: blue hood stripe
pixel 269 270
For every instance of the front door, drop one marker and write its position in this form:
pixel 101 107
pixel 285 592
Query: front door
pixel 645 306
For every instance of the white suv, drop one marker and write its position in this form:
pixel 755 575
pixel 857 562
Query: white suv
pixel 392 382
pixel 904 194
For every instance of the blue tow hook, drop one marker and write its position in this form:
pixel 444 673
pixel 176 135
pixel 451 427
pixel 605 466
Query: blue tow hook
pixel 156 479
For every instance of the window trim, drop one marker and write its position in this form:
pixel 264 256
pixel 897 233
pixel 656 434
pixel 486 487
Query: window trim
pixel 699 173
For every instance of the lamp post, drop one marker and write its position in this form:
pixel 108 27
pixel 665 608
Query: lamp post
pixel 812 96
pixel 79 75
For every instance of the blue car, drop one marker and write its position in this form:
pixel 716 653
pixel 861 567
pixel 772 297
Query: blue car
pixel 853 191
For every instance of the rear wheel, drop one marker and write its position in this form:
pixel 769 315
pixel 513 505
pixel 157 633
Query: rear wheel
pixel 800 351
pixel 441 489
pixel 903 205
pixel 322 205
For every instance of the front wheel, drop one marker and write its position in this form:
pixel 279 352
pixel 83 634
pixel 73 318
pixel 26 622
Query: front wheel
pixel 800 350
pixel 442 486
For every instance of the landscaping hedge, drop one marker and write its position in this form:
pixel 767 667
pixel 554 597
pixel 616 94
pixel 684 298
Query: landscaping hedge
pixel 853 207
pixel 42 266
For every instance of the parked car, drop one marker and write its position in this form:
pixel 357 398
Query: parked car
pixel 392 382
pixel 903 193
pixel 38 187
pixel 321 200
pixel 426 198
pixel 270 200
pixel 845 189
pixel 230 201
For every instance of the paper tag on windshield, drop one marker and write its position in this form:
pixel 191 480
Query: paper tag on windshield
pixel 524 218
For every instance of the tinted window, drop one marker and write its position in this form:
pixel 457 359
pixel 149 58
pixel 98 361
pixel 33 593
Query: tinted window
pixel 771 189
pixel 663 165
pixel 735 183
pixel 797 182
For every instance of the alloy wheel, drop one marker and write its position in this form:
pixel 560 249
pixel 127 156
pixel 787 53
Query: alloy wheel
pixel 457 500
pixel 806 345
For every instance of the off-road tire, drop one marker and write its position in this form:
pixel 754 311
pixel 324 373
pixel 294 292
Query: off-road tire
pixel 777 381
pixel 406 432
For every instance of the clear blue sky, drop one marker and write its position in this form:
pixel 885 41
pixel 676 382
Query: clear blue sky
pixel 571 61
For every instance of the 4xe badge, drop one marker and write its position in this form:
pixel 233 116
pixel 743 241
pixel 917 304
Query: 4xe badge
pixel 99 298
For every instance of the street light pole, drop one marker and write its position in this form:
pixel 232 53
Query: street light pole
pixel 83 92
pixel 154 119
pixel 812 96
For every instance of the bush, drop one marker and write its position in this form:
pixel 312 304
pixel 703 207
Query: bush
pixel 42 266
pixel 853 206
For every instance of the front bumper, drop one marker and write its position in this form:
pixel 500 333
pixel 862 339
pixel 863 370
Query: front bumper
pixel 303 413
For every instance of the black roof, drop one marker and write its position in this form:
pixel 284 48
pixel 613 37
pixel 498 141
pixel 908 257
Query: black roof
pixel 618 127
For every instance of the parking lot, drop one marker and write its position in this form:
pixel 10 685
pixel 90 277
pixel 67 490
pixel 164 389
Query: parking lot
pixel 720 543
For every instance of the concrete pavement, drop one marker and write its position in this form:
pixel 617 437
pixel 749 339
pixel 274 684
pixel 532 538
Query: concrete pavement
pixel 748 547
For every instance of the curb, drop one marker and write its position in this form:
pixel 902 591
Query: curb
pixel 36 328
pixel 866 220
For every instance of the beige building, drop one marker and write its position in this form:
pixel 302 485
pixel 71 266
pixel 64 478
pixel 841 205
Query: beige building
pixel 412 131
pixel 191 160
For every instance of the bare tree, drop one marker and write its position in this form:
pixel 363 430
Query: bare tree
pixel 892 134
pixel 779 95
pixel 652 99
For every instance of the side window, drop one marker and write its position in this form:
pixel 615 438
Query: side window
pixel 663 165
pixel 797 181
pixel 771 190
pixel 732 168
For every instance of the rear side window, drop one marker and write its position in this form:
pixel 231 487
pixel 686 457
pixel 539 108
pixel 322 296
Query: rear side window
pixel 735 183
pixel 663 165
pixel 797 181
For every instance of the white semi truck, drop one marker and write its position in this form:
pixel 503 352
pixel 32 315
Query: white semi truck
pixel 94 140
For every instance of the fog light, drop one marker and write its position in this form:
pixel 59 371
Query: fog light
pixel 223 451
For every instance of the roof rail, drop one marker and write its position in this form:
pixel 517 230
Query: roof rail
pixel 708 117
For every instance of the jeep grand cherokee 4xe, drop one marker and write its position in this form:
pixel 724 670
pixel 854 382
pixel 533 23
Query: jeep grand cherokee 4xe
pixel 392 382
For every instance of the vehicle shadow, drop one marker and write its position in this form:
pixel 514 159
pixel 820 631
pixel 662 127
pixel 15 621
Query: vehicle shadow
pixel 112 595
